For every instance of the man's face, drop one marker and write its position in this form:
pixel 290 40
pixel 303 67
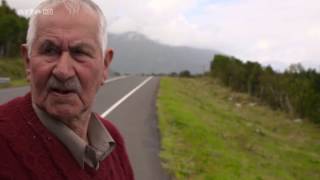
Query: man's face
pixel 66 66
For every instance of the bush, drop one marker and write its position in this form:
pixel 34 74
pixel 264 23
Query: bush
pixel 185 73
pixel 296 91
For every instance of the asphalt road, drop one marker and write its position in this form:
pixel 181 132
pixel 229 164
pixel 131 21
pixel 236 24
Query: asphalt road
pixel 135 116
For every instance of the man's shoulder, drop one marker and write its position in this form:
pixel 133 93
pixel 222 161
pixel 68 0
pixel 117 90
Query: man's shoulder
pixel 12 104
pixel 9 115
pixel 120 149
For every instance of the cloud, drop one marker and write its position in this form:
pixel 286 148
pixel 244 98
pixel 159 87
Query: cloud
pixel 269 31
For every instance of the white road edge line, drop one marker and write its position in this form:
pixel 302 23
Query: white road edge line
pixel 114 79
pixel 115 105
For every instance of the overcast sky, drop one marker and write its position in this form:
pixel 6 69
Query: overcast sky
pixel 276 32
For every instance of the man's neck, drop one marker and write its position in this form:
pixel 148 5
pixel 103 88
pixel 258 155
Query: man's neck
pixel 79 124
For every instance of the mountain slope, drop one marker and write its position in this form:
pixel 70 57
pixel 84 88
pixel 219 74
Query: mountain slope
pixel 135 53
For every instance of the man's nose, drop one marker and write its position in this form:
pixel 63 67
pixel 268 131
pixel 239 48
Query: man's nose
pixel 64 68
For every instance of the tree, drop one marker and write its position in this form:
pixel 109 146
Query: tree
pixel 185 73
pixel 296 91
pixel 12 30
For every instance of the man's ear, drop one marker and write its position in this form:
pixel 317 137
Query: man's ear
pixel 107 61
pixel 26 59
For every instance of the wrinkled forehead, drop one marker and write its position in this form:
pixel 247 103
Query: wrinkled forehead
pixel 69 25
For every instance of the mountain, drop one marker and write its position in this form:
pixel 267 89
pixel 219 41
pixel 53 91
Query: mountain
pixel 135 53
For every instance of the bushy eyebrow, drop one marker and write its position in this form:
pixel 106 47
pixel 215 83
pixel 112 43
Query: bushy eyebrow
pixel 48 42
pixel 84 46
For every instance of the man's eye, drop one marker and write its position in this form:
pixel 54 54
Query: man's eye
pixel 79 52
pixel 51 51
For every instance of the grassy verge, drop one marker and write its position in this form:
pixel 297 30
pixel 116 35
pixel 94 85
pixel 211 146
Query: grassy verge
pixel 14 83
pixel 209 132
pixel 13 68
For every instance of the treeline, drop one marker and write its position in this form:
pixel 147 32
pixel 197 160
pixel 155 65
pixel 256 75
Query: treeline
pixel 296 91
pixel 13 30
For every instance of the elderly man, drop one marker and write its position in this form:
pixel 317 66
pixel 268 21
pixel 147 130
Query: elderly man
pixel 52 133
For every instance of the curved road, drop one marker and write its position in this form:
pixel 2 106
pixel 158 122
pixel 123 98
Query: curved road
pixel 130 103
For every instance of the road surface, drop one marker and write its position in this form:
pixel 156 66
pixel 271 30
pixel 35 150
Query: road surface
pixel 129 102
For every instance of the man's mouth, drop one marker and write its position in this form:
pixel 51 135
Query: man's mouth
pixel 62 91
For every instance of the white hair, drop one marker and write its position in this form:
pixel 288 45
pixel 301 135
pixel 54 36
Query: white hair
pixel 102 26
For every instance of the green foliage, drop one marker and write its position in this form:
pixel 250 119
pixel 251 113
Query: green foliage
pixel 12 31
pixel 12 68
pixel 185 73
pixel 173 74
pixel 295 91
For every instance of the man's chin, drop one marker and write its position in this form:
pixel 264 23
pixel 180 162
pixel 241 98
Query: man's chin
pixel 68 106
pixel 63 113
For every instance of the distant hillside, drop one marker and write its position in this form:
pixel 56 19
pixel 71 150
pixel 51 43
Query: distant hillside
pixel 135 53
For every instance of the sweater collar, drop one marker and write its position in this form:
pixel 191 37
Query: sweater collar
pixel 100 144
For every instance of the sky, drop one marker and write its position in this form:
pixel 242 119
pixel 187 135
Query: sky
pixel 272 32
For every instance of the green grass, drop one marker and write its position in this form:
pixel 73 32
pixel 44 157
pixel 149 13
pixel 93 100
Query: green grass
pixel 13 68
pixel 14 83
pixel 206 136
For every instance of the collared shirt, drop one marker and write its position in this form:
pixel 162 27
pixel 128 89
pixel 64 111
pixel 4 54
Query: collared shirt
pixel 100 144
